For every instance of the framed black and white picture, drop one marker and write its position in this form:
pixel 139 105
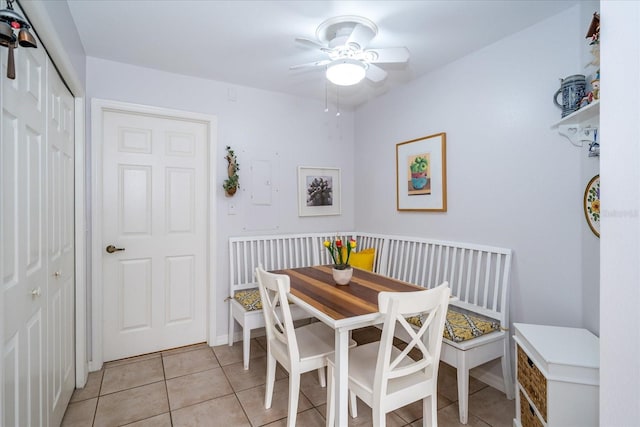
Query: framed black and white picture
pixel 318 191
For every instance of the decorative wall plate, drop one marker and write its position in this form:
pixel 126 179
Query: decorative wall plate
pixel 592 204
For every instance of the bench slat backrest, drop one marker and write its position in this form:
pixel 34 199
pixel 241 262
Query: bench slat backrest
pixel 478 275
pixel 272 252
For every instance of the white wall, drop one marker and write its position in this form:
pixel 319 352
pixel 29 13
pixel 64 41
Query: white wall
pixel 620 269
pixel 512 181
pixel 259 125
pixel 590 166
pixel 54 25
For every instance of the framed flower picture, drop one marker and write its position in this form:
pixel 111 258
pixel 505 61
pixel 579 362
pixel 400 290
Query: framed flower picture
pixel 421 174
pixel 592 204
pixel 318 191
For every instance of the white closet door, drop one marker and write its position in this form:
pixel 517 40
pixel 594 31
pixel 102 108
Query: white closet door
pixel 37 241
pixel 24 239
pixel 60 338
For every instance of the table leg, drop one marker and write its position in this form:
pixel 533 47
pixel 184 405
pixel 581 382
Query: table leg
pixel 341 376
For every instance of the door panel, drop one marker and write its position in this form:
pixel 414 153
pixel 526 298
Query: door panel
pixel 24 238
pixel 134 202
pixel 61 265
pixel 154 206
pixel 180 275
pixel 135 294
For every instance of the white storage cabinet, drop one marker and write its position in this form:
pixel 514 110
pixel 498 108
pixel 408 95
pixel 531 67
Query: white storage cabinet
pixel 557 376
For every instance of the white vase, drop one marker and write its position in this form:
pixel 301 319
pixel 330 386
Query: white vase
pixel 342 277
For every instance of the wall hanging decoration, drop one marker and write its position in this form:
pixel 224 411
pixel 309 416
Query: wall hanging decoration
pixel 592 204
pixel 232 183
pixel 421 174
pixel 11 21
pixel 318 191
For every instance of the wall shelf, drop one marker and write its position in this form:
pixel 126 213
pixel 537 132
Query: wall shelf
pixel 585 115
pixel 582 126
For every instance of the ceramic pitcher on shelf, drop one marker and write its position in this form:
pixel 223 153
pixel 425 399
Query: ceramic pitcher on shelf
pixel 572 89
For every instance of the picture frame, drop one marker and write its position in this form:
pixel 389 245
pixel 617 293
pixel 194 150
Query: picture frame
pixel 319 191
pixel 591 204
pixel 421 174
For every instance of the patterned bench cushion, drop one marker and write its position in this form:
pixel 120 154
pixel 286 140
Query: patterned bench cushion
pixel 462 325
pixel 249 299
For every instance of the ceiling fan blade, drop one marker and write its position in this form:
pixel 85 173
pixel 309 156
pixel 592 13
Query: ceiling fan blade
pixel 375 73
pixel 309 42
pixel 310 64
pixel 387 55
pixel 360 36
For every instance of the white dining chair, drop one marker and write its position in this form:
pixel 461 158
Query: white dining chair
pixel 387 378
pixel 298 350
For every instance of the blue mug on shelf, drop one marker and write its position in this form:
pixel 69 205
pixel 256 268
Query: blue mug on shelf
pixel 572 89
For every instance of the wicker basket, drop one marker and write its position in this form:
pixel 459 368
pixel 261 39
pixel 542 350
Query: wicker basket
pixel 534 383
pixel 528 416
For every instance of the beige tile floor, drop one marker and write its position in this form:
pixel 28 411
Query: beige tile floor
pixel 204 386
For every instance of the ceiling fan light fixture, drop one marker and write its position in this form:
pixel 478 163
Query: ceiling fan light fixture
pixel 346 72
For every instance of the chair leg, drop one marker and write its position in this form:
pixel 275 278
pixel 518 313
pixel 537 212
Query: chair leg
pixel 271 379
pixel 353 404
pixel 321 377
pixel 463 387
pixel 331 408
pixel 509 386
pixel 378 417
pixel 430 411
pixel 232 325
pixel 294 393
pixel 246 346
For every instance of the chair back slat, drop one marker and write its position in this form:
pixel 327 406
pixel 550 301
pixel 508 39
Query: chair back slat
pixel 424 344
pixel 275 307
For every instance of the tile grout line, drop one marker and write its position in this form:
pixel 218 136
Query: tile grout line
pixel 166 389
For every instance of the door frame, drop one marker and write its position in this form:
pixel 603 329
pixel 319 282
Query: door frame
pixel 98 107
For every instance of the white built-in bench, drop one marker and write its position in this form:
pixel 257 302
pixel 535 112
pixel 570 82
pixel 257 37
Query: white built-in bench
pixel 477 325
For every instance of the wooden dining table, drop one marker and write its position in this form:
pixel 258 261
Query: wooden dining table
pixel 344 308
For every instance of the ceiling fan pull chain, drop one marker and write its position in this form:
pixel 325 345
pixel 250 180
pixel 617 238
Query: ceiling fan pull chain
pixel 326 96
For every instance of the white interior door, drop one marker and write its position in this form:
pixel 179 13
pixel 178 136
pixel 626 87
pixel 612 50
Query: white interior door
pixel 154 189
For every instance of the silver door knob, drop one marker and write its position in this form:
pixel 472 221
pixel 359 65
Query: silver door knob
pixel 36 292
pixel 111 249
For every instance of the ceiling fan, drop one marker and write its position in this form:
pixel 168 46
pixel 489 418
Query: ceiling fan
pixel 345 39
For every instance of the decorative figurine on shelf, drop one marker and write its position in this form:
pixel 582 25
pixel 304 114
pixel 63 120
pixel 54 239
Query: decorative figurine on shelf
pixel 586 100
pixel 595 86
pixel 594 35
pixel 232 183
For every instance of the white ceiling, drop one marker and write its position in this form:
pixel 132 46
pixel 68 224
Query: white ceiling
pixel 251 43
